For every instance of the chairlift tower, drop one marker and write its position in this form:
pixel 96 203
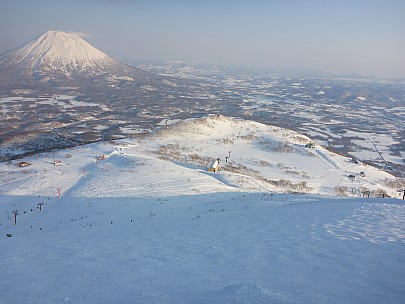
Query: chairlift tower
pixel 15 212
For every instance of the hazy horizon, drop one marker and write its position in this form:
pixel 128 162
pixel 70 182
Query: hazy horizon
pixel 338 37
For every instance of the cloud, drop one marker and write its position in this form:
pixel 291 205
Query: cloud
pixel 81 34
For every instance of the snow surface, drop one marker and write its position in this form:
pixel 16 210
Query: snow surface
pixel 137 223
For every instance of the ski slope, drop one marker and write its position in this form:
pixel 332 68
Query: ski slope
pixel 142 221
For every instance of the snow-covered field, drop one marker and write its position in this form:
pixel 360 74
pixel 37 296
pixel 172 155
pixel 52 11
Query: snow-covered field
pixel 142 221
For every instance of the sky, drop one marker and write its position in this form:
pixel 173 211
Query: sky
pixel 338 37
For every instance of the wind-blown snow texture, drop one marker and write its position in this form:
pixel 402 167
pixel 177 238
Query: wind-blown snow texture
pixel 132 227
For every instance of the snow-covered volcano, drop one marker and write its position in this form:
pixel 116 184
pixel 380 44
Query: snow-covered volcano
pixel 59 53
pixel 60 49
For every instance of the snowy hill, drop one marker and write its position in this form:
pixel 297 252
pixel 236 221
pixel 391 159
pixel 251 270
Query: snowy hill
pixel 174 159
pixel 263 158
pixel 142 220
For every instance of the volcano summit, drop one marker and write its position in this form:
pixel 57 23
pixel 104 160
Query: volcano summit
pixel 59 51
pixel 60 56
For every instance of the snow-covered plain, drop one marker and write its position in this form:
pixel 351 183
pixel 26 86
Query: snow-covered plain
pixel 142 221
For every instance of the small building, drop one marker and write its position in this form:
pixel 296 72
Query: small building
pixel 355 160
pixel 22 164
pixel 214 167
